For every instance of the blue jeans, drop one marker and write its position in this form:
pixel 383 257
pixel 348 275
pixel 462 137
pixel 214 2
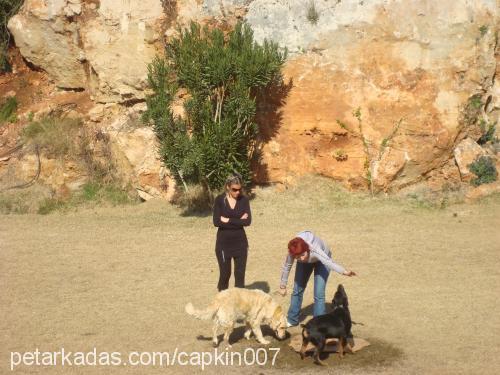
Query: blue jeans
pixel 302 274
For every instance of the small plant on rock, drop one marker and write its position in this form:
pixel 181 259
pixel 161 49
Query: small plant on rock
pixel 312 13
pixel 340 155
pixel 483 30
pixel 8 110
pixel 485 170
pixel 488 130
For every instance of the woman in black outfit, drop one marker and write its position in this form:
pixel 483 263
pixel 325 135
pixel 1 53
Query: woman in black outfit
pixel 231 214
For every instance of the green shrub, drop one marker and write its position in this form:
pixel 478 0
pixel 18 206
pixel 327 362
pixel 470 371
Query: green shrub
pixel 485 170
pixel 488 132
pixel 222 76
pixel 8 110
pixel 475 101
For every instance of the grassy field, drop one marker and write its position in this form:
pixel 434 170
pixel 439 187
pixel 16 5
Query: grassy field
pixel 118 278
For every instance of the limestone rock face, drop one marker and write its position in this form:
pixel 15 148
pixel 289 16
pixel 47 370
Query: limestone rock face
pixel 119 43
pixel 397 61
pixel 465 153
pixel 420 72
pixel 50 41
pixel 104 49
pixel 135 153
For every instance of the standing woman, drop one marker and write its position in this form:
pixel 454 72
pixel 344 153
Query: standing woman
pixel 231 214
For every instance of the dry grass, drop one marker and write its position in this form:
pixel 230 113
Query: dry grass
pixel 42 200
pixel 57 136
pixel 118 279
pixel 23 201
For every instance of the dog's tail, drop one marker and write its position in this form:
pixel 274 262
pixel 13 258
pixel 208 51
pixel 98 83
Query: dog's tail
pixel 206 314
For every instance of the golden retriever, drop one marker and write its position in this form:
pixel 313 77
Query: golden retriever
pixel 253 306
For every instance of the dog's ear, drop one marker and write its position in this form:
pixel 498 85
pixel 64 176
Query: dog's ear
pixel 278 312
pixel 346 302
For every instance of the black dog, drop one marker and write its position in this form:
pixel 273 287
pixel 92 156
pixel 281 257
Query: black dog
pixel 336 324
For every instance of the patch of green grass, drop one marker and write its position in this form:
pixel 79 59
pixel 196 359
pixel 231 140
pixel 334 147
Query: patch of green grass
pixel 50 205
pixel 90 191
pixel 8 110
pixel 116 195
pixel 95 192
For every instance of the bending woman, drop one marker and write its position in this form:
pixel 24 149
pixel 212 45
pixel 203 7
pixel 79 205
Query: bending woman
pixel 231 215
pixel 311 254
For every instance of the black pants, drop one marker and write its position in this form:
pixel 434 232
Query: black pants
pixel 224 258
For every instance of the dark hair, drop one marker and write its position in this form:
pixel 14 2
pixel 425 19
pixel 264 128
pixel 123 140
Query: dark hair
pixel 297 246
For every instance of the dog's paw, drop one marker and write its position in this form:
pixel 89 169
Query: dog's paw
pixel 248 334
pixel 320 362
pixel 264 342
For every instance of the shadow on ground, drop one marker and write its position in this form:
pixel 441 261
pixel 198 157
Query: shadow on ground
pixel 380 353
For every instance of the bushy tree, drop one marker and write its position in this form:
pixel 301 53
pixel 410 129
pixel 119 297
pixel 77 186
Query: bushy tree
pixel 221 76
pixel 7 9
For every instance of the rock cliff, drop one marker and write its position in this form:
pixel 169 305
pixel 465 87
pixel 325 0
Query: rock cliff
pixel 422 73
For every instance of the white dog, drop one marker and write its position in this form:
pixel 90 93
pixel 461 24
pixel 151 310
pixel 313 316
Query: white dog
pixel 253 306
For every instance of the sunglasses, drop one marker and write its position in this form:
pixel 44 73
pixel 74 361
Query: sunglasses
pixel 235 190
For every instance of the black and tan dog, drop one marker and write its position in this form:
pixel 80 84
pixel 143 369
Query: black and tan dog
pixel 336 324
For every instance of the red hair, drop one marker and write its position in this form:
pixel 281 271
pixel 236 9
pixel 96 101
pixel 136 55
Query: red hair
pixel 297 246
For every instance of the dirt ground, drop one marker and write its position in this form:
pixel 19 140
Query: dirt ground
pixel 117 279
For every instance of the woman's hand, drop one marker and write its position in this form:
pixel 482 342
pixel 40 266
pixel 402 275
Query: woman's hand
pixel 244 216
pixel 282 291
pixel 349 273
pixel 224 219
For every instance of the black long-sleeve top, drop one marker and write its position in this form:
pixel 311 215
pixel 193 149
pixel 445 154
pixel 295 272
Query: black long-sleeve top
pixel 231 235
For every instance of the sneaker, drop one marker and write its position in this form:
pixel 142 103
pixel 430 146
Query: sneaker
pixel 289 325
